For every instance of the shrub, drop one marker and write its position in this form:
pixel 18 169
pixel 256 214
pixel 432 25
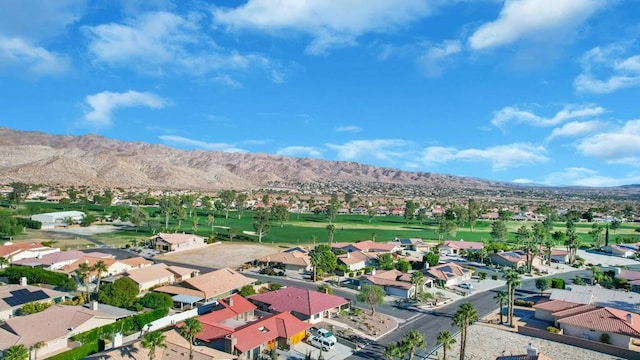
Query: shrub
pixel 247 290
pixel 274 286
pixel 79 352
pixel 34 307
pixel 29 224
pixel 154 300
pixel 40 276
pixel 557 283
pixel 482 275
pixel 553 329
pixel 520 302
pixel 494 277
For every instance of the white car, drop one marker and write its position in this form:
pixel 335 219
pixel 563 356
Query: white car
pixel 466 286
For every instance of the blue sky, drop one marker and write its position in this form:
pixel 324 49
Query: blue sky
pixel 540 91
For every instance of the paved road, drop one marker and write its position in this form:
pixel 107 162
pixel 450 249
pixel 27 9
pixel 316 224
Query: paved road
pixel 430 323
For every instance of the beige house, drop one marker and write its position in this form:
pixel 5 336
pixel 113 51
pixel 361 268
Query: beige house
pixel 156 275
pixel 395 282
pixel 514 259
pixel 54 326
pixel 449 274
pixel 209 286
pixel 15 296
pixel 177 242
pixel 622 327
pixel 293 259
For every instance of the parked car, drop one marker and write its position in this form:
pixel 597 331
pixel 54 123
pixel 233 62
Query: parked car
pixel 466 286
pixel 326 344
pixel 322 333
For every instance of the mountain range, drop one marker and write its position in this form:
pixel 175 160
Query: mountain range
pixel 96 161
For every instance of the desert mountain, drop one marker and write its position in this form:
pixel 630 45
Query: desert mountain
pixel 92 160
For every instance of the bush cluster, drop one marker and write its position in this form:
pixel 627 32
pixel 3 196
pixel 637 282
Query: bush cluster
pixel 29 224
pixel 39 276
pixel 520 302
pixel 557 283
pixel 125 326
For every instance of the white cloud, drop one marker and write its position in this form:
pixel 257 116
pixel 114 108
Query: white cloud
pixel 380 149
pixel 330 23
pixel 300 151
pixel 501 157
pixel 183 142
pixel 34 20
pixel 571 111
pixel 16 53
pixel 105 103
pixel 534 19
pixel 579 176
pixel 348 128
pixel 619 72
pixel 433 61
pixel 576 128
pixel 161 42
pixel 228 81
pixel 621 145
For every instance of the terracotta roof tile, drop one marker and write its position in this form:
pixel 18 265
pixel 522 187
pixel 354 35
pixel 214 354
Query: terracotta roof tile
pixel 606 320
pixel 303 301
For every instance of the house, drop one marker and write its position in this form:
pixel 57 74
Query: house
pixel 209 286
pixel 176 348
pixel 113 266
pixel 233 328
pixel 15 252
pixel 151 276
pixel 596 295
pixel 415 244
pixel 15 296
pixel 137 262
pixel 57 219
pixel 622 327
pixel 618 250
pixel 307 305
pixel 552 310
pixel 355 260
pixel 57 260
pixel 514 259
pixel 293 259
pixel 367 246
pixel 449 274
pixel 456 248
pixel 54 326
pixel 177 242
pixel 559 256
pixel 394 282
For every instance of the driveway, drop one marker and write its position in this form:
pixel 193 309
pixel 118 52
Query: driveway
pixel 300 350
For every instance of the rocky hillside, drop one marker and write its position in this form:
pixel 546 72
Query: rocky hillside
pixel 96 161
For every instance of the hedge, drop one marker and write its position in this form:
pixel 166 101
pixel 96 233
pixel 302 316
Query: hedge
pixel 40 276
pixel 78 353
pixel 557 283
pixel 126 325
pixel 29 224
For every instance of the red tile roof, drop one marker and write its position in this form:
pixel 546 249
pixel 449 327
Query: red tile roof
pixel 302 301
pixel 240 306
pixel 555 305
pixel 282 325
pixel 467 245
pixel 607 320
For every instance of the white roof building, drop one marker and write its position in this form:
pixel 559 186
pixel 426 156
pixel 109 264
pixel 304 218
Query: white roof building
pixel 53 219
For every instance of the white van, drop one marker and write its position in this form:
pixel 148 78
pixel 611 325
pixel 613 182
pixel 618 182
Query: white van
pixel 322 343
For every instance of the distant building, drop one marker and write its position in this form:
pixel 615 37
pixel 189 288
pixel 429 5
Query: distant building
pixel 58 219
pixel 177 242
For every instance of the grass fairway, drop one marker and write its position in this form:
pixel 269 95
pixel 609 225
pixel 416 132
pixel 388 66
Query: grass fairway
pixel 301 229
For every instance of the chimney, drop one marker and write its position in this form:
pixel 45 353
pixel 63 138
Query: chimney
pixel 531 350
pixel 630 318
pixel 94 305
pixel 230 343
pixel 373 272
pixel 617 271
pixel 230 301
pixel 348 254
pixel 23 281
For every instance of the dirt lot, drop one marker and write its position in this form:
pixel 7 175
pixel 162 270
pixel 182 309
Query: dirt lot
pixel 223 254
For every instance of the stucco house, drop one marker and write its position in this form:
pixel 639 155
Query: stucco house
pixel 307 305
pixel 15 296
pixel 395 282
pixel 622 327
pixel 164 242
pixel 455 248
pixel 449 274
pixel 293 259
pixel 514 259
pixel 209 286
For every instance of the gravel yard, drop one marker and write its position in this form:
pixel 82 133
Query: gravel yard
pixel 487 342
pixel 222 255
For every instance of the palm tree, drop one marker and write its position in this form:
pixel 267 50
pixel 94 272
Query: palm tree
pixel 100 267
pixel 331 229
pixel 84 273
pixel 17 352
pixel 513 281
pixel 465 316
pixel 502 297
pixel 153 340
pixel 3 262
pixel 37 346
pixel 446 339
pixel 417 279
pixel 392 351
pixel 411 341
pixel 190 329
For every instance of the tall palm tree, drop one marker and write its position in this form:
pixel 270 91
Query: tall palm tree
pixel 37 346
pixel 84 273
pixel 417 279
pixel 446 339
pixel 190 329
pixel 153 340
pixel 392 351
pixel 331 229
pixel 502 297
pixel 100 267
pixel 465 316
pixel 17 352
pixel 411 341
pixel 513 281
pixel 3 262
